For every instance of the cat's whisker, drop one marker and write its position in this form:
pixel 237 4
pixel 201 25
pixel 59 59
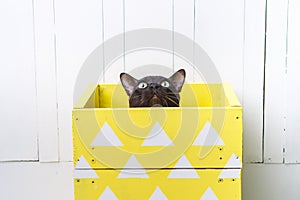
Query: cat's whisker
pixel 166 102
pixel 172 101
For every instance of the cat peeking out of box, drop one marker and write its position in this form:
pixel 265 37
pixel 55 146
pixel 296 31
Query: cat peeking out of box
pixel 153 90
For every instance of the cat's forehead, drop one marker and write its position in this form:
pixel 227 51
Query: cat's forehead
pixel 153 79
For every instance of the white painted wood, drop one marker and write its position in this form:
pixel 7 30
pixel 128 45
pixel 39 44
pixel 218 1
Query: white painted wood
pixel 275 77
pixel 141 14
pixel 159 62
pixel 113 25
pixel 254 47
pixel 46 80
pixel 219 30
pixel 148 14
pixel 36 181
pixel 293 85
pixel 17 82
pixel 78 33
pixel 184 24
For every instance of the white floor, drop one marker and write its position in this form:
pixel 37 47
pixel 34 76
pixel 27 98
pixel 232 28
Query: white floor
pixel 271 182
pixel 53 181
pixel 36 181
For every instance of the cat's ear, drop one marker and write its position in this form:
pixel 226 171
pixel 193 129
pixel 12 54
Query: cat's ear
pixel 128 82
pixel 177 79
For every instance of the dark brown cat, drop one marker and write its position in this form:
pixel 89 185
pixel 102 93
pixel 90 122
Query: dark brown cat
pixel 153 90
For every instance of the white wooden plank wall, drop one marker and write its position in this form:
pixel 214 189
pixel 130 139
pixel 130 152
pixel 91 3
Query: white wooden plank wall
pixel 46 77
pixel 233 36
pixel 293 84
pixel 17 82
pixel 184 23
pixel 113 25
pixel 146 14
pixel 253 79
pixel 44 45
pixel 275 81
pixel 78 31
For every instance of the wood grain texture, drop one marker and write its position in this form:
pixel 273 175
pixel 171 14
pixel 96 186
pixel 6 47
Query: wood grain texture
pixel 45 51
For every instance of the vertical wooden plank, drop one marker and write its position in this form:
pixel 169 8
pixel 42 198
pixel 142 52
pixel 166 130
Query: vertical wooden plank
pixel 224 29
pixel 275 81
pixel 78 33
pixel 17 82
pixel 219 30
pixel 46 80
pixel 293 85
pixel 184 19
pixel 113 25
pixel 254 55
pixel 148 14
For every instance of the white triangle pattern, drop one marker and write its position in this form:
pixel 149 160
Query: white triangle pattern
pixel 208 137
pixel 82 163
pixel 209 195
pixel 157 137
pixel 83 169
pixel 234 162
pixel 106 137
pixel 177 172
pixel 138 172
pixel 108 195
pixel 183 162
pixel 158 195
pixel 230 173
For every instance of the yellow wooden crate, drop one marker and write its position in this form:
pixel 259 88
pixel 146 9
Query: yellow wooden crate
pixel 205 184
pixel 205 132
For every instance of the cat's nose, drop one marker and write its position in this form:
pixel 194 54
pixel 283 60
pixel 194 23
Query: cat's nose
pixel 153 85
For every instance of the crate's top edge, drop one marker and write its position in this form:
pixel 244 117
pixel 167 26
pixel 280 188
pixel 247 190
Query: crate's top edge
pixel 164 108
pixel 92 89
pixel 194 83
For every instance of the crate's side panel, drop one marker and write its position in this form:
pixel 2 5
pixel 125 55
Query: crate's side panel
pixel 231 97
pixel 161 184
pixel 90 98
pixel 158 138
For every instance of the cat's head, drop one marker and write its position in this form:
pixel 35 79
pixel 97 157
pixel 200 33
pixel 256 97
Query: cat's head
pixel 153 90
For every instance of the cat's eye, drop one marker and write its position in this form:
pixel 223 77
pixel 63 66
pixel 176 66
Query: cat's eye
pixel 142 85
pixel 165 84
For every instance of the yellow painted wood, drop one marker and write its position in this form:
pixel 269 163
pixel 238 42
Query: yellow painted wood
pixel 143 188
pixel 203 136
pixel 192 95
pixel 132 127
pixel 90 98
